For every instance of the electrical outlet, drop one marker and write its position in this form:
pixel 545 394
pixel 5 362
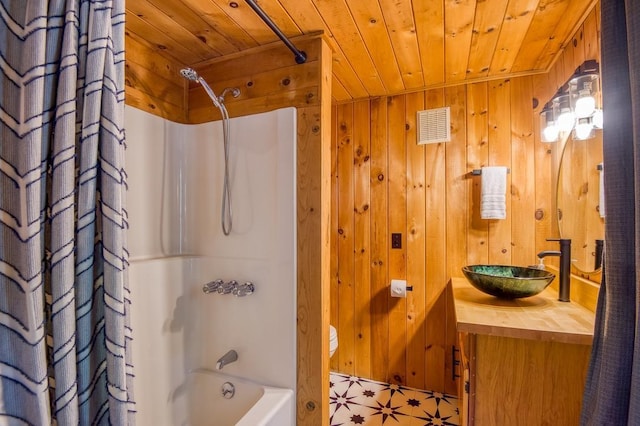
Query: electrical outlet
pixel 396 241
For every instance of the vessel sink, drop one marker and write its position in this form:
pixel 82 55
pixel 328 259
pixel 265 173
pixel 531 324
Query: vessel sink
pixel 508 282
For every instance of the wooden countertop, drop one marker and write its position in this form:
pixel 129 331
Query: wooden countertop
pixel 540 317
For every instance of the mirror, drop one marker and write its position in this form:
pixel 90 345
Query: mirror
pixel 578 202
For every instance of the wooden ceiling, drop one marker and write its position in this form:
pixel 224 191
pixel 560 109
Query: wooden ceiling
pixel 380 47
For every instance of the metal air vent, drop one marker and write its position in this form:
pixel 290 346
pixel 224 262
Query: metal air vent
pixel 434 126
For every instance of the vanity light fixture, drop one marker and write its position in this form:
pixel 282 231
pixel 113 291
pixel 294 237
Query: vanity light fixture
pixel 574 107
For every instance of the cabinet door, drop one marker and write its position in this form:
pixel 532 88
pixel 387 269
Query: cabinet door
pixel 527 382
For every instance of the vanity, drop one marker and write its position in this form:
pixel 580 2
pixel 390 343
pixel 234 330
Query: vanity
pixel 522 361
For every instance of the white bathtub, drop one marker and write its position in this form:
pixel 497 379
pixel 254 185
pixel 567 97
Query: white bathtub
pixel 251 405
pixel 179 333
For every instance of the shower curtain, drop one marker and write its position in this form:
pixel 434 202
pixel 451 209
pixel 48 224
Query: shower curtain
pixel 64 300
pixel 612 392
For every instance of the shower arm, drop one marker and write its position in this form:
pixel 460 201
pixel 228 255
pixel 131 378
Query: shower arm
pixel 300 55
pixel 235 92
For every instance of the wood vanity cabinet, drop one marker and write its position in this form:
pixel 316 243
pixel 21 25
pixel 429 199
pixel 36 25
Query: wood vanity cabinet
pixel 520 362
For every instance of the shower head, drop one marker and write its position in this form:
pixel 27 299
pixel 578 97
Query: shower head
pixel 190 74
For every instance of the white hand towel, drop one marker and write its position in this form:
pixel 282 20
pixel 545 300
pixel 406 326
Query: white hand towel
pixel 493 199
pixel 601 209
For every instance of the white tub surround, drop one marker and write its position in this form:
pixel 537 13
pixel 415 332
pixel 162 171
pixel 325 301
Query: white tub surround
pixel 177 245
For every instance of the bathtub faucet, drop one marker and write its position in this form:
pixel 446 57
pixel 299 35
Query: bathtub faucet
pixel 229 287
pixel 227 358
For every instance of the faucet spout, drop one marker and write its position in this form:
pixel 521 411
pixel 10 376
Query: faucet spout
pixel 227 358
pixel 546 253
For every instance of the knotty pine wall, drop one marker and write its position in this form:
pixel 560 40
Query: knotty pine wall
pixel 384 183
pixel 153 82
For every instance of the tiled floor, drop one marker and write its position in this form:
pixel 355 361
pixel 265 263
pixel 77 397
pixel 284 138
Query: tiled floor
pixel 356 401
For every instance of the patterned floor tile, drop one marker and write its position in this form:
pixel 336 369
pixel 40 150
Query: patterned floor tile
pixel 357 401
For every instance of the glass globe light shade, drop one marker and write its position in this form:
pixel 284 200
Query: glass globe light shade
pixel 566 119
pixel 585 105
pixel 548 129
pixel 583 93
pixel 550 133
pixel 562 113
pixel 584 129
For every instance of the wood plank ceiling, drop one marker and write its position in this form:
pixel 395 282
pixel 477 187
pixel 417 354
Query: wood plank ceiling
pixel 381 47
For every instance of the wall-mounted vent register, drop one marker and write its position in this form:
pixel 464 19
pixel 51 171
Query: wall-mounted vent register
pixel 434 126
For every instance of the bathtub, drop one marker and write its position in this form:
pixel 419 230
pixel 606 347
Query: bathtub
pixel 179 333
pixel 252 404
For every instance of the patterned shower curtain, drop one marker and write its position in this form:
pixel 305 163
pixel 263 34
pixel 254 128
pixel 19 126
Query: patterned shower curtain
pixel 64 299
pixel 612 393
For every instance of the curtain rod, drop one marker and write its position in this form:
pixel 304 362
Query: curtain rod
pixel 300 56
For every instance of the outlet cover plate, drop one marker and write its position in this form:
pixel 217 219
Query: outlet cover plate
pixel 396 240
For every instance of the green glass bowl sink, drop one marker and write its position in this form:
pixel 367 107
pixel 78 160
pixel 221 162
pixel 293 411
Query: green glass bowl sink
pixel 508 282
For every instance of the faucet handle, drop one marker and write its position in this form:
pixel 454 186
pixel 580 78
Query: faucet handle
pixel 227 287
pixel 212 287
pixel 244 289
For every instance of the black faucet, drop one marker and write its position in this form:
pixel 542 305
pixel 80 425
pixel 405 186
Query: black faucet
pixel 565 267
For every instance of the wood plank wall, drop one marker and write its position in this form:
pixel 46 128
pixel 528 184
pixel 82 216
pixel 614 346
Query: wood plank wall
pixel 165 97
pixel 384 183
pixel 269 79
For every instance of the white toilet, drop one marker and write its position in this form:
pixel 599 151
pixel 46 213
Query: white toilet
pixel 333 340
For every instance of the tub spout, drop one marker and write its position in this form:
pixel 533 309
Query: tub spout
pixel 227 358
